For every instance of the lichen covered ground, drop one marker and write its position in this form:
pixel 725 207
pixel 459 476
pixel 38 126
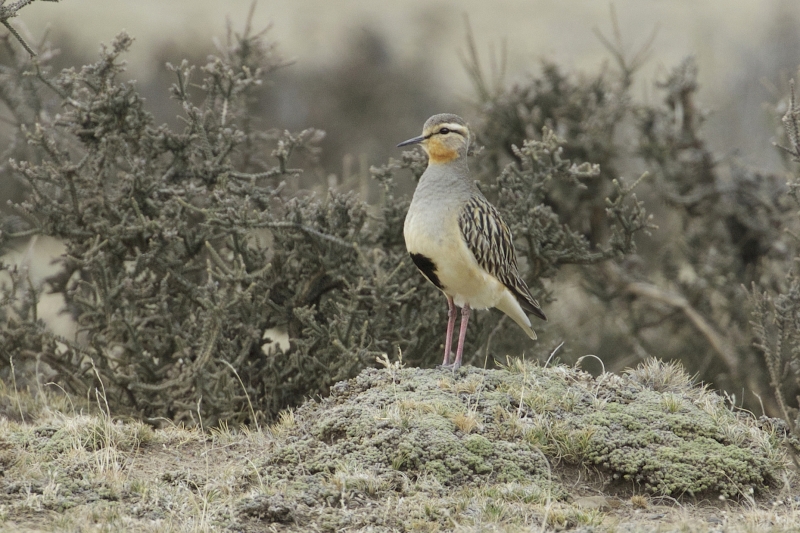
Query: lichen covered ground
pixel 409 449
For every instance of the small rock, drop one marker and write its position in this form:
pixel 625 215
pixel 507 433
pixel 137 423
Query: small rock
pixel 593 502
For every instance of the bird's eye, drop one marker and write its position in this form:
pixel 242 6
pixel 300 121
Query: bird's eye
pixel 444 131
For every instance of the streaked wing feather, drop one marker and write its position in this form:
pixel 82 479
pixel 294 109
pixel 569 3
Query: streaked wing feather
pixel 489 239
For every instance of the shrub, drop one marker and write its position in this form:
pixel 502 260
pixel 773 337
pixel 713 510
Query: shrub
pixel 184 247
pixel 776 317
pixel 190 251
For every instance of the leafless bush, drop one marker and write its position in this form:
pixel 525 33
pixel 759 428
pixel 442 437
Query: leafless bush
pixel 776 317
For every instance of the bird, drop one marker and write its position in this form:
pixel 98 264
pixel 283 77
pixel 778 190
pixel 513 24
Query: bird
pixel 458 240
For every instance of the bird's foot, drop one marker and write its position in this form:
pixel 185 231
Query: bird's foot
pixel 448 356
pixel 450 366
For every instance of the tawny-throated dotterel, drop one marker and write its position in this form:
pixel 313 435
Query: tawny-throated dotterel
pixel 458 240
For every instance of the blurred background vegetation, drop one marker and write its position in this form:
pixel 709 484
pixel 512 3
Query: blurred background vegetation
pixel 690 95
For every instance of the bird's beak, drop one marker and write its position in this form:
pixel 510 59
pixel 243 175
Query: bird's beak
pixel 415 140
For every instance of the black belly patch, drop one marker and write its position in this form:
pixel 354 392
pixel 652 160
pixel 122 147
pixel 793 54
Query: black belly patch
pixel 428 268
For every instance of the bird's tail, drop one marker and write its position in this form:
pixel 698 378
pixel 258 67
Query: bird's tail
pixel 527 329
pixel 510 306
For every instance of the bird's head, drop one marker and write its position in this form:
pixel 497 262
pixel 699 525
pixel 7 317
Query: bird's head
pixel 444 137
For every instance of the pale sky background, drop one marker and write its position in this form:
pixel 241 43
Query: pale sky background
pixel 729 39
pixel 313 31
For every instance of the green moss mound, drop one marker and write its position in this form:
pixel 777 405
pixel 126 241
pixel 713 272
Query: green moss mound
pixel 411 433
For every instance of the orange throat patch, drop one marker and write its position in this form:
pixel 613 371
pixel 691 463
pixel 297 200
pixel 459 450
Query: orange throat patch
pixel 438 153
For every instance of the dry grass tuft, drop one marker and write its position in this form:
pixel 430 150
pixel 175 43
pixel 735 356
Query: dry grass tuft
pixel 639 501
pixel 466 422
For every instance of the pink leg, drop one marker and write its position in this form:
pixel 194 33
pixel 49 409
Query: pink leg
pixel 451 323
pixel 462 333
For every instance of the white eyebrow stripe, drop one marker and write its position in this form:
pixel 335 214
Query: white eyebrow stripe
pixel 455 128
